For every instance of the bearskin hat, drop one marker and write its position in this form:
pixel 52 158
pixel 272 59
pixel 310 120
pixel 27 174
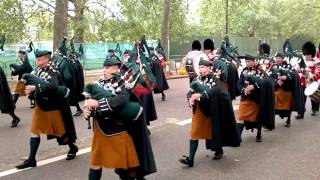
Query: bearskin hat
pixel 208 44
pixel 196 45
pixel 309 48
pixel 264 49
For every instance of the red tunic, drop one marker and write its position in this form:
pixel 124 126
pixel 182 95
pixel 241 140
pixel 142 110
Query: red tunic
pixel 314 69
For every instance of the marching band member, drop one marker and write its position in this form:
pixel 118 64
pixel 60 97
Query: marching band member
pixel 118 142
pixel 18 70
pixel 313 69
pixel 51 115
pixel 6 102
pixel 69 75
pixel 161 81
pixel 288 88
pixel 299 76
pixel 256 108
pixel 213 117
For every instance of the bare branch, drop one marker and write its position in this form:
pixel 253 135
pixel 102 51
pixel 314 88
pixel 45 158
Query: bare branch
pixel 107 8
pixel 48 4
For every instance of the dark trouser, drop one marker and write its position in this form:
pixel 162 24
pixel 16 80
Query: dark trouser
pixel 315 105
pixel 193 149
pixel 191 77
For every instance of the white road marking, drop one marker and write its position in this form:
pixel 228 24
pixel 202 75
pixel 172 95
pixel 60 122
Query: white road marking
pixel 43 162
pixel 85 150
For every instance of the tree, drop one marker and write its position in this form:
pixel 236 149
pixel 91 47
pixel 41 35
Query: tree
pixel 60 22
pixel 165 24
pixel 11 21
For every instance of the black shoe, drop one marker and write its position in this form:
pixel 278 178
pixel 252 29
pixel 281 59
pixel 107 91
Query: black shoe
pixel 185 160
pixel 78 113
pixel 27 164
pixel 15 122
pixel 259 139
pixel 287 125
pixel 313 113
pixel 217 156
pixel 72 153
pixel 299 116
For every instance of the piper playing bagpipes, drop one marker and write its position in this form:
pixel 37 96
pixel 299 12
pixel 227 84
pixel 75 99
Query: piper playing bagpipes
pixel 18 70
pixel 256 109
pixel 157 69
pixel 227 59
pixel 299 70
pixel 288 89
pixel 51 115
pixel 69 72
pixel 121 140
pixel 213 118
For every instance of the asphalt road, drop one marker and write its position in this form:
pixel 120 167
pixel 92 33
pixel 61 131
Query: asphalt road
pixel 285 153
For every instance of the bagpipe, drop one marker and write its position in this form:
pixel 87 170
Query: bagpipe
pixel 203 87
pixel 295 59
pixel 279 70
pixel 130 77
pixel 42 78
pixel 252 79
pixel 129 111
pixel 228 51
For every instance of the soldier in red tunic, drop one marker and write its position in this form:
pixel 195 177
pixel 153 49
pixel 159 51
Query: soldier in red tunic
pixel 313 70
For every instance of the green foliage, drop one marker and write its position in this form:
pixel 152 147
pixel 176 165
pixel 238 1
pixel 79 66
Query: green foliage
pixel 263 18
pixel 11 22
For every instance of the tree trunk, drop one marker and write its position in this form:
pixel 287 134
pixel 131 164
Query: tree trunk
pixel 78 21
pixel 60 22
pixel 165 26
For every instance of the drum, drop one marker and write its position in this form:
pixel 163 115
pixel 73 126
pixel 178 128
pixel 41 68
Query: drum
pixel 313 91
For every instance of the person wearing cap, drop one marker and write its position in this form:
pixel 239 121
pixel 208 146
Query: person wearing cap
pixel 18 70
pixel 213 118
pixel 51 115
pixel 111 53
pixel 208 49
pixel 192 60
pixel 161 81
pixel 313 70
pixel 286 83
pixel 256 109
pixel 7 104
pixel 118 143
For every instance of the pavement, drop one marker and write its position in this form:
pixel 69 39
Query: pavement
pixel 286 153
